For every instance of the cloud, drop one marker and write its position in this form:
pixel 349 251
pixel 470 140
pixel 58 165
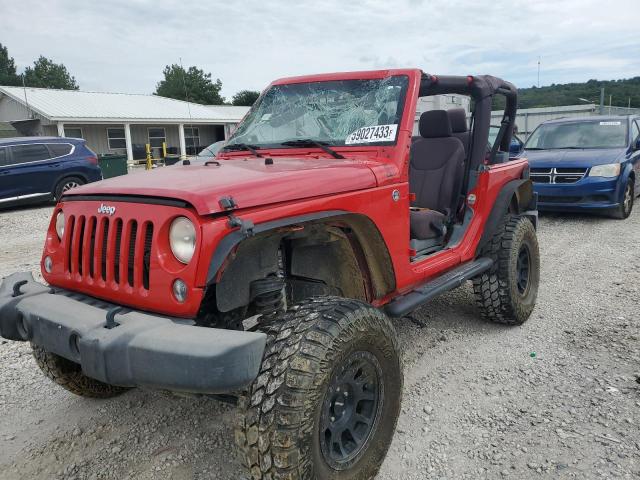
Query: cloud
pixel 123 45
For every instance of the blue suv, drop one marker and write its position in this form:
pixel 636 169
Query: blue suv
pixel 36 169
pixel 586 164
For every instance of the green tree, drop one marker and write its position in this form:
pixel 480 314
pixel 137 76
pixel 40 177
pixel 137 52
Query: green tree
pixel 8 75
pixel 245 98
pixel 193 85
pixel 47 74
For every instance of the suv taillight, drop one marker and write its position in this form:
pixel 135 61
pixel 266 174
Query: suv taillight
pixel 92 160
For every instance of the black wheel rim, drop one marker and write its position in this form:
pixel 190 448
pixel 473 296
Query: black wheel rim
pixel 350 410
pixel 523 269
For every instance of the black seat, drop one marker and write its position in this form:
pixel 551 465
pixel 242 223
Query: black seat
pixel 459 128
pixel 436 167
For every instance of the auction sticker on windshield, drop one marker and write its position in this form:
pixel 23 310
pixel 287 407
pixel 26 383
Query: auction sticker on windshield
pixel 376 133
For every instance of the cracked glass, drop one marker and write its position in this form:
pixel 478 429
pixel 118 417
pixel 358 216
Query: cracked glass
pixel 335 112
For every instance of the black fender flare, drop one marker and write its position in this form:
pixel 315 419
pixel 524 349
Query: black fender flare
pixel 229 242
pixel 517 195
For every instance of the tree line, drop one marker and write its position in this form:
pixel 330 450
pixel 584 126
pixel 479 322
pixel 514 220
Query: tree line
pixel 622 93
pixel 191 84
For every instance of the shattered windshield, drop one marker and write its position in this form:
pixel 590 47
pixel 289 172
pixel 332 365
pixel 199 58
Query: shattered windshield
pixel 339 112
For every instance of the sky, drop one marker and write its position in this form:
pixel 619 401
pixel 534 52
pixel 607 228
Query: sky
pixel 123 45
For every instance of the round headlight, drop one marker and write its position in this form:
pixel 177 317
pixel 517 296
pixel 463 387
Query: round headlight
pixel 182 239
pixel 60 224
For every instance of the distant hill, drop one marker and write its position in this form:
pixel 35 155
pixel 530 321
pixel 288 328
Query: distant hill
pixel 570 94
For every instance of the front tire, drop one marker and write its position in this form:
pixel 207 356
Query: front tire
pixel 69 376
pixel 327 398
pixel 626 203
pixel 507 292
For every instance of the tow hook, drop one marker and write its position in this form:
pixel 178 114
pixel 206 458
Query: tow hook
pixel 16 288
pixel 111 320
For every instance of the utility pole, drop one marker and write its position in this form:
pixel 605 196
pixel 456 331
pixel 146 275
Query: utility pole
pixel 602 101
pixel 610 103
pixel 539 72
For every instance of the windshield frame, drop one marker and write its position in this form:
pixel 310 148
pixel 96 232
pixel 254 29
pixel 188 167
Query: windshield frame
pixel 401 112
pixel 579 121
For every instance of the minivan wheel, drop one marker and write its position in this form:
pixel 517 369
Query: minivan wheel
pixel 65 185
pixel 626 202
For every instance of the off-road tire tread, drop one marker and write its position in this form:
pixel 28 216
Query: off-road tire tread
pixel 70 377
pixel 491 288
pixel 296 362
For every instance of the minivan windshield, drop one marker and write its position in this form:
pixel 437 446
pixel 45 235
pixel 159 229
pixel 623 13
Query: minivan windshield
pixel 337 112
pixel 584 134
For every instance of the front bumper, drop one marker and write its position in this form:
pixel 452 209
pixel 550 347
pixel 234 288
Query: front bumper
pixel 590 193
pixel 143 349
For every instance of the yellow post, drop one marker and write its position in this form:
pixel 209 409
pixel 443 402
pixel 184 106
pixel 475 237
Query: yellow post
pixel 148 146
pixel 164 149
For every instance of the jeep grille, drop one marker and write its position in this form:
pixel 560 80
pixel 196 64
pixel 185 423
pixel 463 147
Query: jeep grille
pixel 109 249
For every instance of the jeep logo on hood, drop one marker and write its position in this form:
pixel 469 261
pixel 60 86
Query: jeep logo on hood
pixel 106 209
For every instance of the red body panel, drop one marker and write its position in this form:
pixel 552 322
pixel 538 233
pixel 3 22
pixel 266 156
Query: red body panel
pixel 300 181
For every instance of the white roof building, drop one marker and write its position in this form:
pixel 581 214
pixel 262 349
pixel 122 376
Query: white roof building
pixel 118 122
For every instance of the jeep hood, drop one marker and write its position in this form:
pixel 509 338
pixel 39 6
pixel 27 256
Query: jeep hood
pixel 248 180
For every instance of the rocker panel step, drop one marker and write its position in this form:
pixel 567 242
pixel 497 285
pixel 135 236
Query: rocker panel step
pixel 432 288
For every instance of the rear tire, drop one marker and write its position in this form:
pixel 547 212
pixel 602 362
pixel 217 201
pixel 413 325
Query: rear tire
pixel 66 184
pixel 69 376
pixel 626 203
pixel 327 398
pixel 507 292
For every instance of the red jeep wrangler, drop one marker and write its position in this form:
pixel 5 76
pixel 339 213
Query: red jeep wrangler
pixel 271 273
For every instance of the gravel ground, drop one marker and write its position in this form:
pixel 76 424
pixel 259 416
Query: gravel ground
pixel 556 398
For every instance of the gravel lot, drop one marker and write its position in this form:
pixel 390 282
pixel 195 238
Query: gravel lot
pixel 556 398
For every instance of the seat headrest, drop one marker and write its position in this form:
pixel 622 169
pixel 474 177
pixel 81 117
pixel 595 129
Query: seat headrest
pixel 434 124
pixel 458 120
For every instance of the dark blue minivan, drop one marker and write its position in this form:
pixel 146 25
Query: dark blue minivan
pixel 37 169
pixel 586 164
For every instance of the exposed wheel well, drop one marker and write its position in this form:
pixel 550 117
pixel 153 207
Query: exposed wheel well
pixel 342 255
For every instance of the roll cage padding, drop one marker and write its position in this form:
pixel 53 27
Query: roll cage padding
pixel 481 89
pixel 517 196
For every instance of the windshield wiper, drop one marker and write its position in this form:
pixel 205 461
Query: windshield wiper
pixel 243 146
pixel 533 148
pixel 308 142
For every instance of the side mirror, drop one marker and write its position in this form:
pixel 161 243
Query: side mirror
pixel 515 147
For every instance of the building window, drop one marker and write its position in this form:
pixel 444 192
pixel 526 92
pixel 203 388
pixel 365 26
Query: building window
pixel 192 136
pixel 73 132
pixel 116 138
pixel 157 137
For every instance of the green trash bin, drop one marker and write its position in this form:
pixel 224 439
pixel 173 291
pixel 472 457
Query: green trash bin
pixel 112 165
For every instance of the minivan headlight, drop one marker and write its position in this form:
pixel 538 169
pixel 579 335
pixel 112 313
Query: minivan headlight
pixel 607 170
pixel 60 224
pixel 182 239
